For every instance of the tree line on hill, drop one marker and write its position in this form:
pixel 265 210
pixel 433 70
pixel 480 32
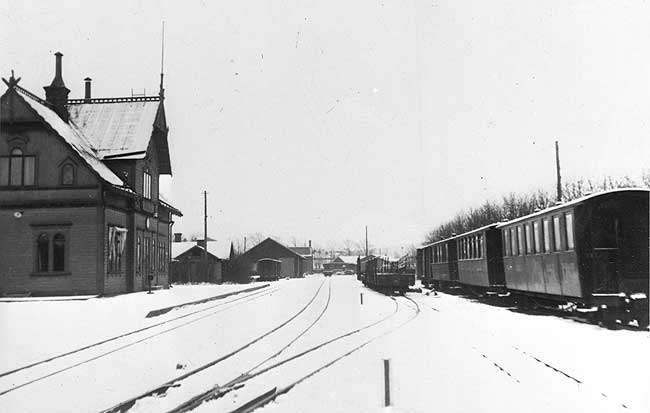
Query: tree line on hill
pixel 514 205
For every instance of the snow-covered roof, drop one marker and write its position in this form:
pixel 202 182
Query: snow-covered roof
pixel 218 249
pixel 117 127
pixel 348 259
pixel 572 203
pixel 72 135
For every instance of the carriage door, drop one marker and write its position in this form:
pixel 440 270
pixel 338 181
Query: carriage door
pixel 605 239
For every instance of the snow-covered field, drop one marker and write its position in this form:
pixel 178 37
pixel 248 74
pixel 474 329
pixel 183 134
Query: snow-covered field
pixel 454 355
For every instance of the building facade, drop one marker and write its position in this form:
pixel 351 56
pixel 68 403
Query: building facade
pixel 292 264
pixel 80 209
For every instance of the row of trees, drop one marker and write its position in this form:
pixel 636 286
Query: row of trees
pixel 515 205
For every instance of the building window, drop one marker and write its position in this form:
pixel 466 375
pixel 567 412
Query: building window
pixel 67 174
pixel 116 243
pixel 42 253
pixel 147 185
pixel 50 252
pixel 17 169
pixel 569 230
pixel 138 252
pixel 58 252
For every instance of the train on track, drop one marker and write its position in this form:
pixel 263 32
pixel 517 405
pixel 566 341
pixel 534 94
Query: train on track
pixel 589 255
pixel 385 275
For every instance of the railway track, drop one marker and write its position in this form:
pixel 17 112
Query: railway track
pixel 272 394
pixel 116 339
pixel 240 381
pixel 177 381
pixel 527 358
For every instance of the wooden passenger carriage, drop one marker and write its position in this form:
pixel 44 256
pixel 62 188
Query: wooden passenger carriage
pixel 592 251
pixel 438 263
pixel 480 259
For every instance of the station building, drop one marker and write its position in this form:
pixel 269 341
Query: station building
pixel 80 210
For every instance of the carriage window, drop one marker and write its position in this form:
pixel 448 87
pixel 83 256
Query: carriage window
pixel 445 254
pixel 569 230
pixel 520 241
pixel 474 249
pixel 513 241
pixel 465 248
pixel 480 246
pixel 547 235
pixel 529 244
pixel 536 237
pixel 506 242
pixel 556 233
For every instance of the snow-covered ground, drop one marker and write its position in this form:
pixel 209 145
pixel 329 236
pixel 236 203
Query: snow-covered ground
pixel 454 355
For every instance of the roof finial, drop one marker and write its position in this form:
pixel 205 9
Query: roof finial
pixel 161 93
pixel 12 80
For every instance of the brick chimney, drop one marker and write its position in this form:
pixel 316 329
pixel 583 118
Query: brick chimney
pixel 56 93
pixel 178 237
pixel 87 95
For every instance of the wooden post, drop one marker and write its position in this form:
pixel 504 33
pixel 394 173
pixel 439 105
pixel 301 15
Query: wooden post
pixel 557 169
pixel 205 235
pixel 386 382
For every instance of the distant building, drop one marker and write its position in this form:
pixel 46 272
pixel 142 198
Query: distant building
pixel 189 266
pixel 292 264
pixel 80 211
pixel 307 254
pixel 342 263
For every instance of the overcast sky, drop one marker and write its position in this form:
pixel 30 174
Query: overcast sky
pixel 311 119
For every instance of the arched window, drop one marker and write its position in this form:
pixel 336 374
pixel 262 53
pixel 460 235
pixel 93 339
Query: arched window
pixel 67 174
pixel 42 253
pixel 58 252
pixel 146 184
pixel 17 169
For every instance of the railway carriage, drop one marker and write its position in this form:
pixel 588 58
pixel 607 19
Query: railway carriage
pixel 384 275
pixel 439 263
pixel 592 251
pixel 480 259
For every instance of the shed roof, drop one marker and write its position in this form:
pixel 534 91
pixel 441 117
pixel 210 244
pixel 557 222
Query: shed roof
pixel 218 249
pixel 304 251
pixel 347 259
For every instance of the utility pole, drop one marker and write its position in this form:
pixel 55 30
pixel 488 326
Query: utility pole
pixel 557 167
pixel 205 234
pixel 366 240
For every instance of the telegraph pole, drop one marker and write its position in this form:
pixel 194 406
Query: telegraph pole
pixel 366 240
pixel 205 234
pixel 557 167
